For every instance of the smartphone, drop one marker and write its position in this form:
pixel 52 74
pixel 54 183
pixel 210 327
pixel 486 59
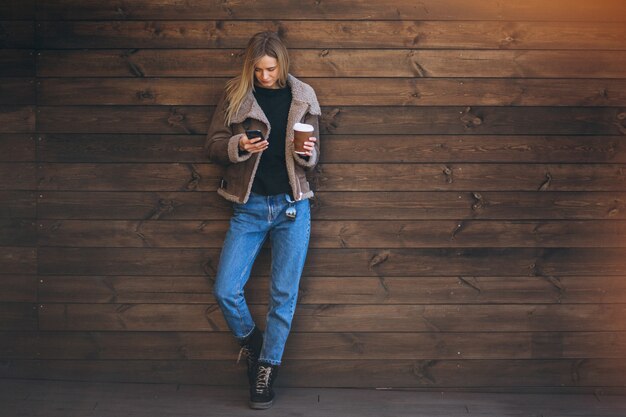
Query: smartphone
pixel 254 134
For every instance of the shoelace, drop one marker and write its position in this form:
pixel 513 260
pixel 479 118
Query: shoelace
pixel 263 378
pixel 244 350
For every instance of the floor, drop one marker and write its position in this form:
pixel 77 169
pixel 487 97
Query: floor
pixel 39 398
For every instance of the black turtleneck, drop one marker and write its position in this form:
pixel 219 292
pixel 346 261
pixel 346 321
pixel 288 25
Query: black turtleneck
pixel 271 176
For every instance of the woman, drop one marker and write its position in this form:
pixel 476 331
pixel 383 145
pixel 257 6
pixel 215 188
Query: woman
pixel 265 179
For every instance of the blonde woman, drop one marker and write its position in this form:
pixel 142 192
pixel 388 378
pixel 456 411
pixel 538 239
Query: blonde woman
pixel 265 179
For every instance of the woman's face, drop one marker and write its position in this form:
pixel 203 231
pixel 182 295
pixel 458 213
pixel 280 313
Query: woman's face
pixel 266 72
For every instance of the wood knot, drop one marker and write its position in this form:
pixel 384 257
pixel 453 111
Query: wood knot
pixel 449 174
pixel 324 53
pixel 379 259
pixel 470 119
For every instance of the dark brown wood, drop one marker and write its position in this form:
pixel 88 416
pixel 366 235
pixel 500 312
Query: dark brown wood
pixel 17 91
pixel 17 260
pixel 17 33
pixel 336 63
pixel 18 204
pixel 341 318
pixel 324 234
pixel 343 120
pixel 547 262
pixel 537 373
pixel 18 176
pixel 17 63
pixel 44 398
pixel 18 288
pixel 18 316
pixel 575 10
pixel 343 177
pixel 17 147
pixel 18 232
pixel 339 290
pixel 342 91
pixel 338 148
pixel 118 345
pixel 408 205
pixel 421 34
pixel 17 119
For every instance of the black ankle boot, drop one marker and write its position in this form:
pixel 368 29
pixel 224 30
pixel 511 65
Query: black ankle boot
pixel 251 347
pixel 262 394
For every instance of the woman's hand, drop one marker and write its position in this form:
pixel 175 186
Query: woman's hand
pixel 252 145
pixel 309 146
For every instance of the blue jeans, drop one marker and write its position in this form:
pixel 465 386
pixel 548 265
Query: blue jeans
pixel 250 224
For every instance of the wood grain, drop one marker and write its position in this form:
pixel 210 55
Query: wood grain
pixel 17 119
pixel 116 345
pixel 339 120
pixel 324 234
pixel 383 205
pixel 540 374
pixel 337 148
pixel 343 262
pixel 368 34
pixel 196 289
pixel 17 147
pixel 343 177
pixel 335 63
pixel 342 91
pixel 340 318
pixel 575 10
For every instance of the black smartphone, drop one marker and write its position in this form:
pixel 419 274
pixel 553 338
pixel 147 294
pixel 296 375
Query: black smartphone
pixel 254 134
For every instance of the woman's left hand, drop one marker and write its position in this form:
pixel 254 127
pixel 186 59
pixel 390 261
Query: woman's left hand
pixel 309 146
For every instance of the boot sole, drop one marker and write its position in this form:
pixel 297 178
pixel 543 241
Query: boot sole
pixel 261 406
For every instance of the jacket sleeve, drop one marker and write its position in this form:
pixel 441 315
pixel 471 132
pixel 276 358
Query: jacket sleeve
pixel 221 145
pixel 309 162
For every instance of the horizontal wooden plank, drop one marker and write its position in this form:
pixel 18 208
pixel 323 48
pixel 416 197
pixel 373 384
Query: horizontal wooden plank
pixel 341 318
pixel 16 33
pixel 367 120
pixel 17 147
pixel 18 232
pixel 339 148
pixel 330 346
pixel 17 260
pixel 18 316
pixel 336 63
pixel 17 91
pixel 18 176
pixel 538 373
pixel 575 10
pixel 324 233
pixel 339 290
pixel 341 177
pixel 18 204
pixel 325 33
pixel 17 119
pixel 18 288
pixel 17 63
pixel 343 262
pixel 408 205
pixel 342 91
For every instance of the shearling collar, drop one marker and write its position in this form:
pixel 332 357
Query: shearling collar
pixel 300 92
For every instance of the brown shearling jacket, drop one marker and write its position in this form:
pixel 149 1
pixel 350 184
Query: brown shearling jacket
pixel 222 143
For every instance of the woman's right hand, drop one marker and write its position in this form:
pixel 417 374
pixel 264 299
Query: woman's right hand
pixel 253 145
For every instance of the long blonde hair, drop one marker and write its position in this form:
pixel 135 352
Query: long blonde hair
pixel 261 44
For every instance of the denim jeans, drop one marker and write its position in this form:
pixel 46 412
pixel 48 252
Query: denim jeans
pixel 249 226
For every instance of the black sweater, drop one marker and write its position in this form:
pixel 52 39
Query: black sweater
pixel 271 176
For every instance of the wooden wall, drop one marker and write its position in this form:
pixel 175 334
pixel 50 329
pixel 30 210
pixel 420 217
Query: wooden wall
pixel 469 226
